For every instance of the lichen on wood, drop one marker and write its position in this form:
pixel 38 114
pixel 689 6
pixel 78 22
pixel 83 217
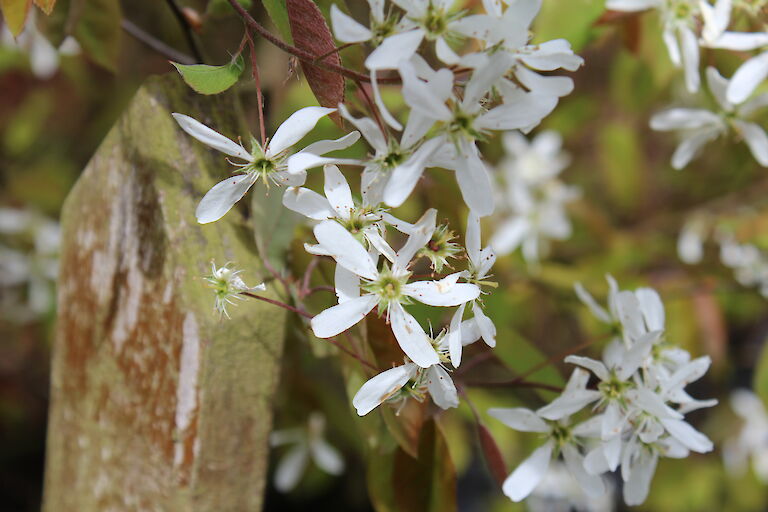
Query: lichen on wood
pixel 156 402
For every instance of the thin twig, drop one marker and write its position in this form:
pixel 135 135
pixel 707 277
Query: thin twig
pixel 257 81
pixel 373 108
pixel 552 359
pixel 156 44
pixel 302 55
pixel 279 304
pixel 186 28
pixel 304 290
pixel 514 384
pixel 351 354
pixel 335 50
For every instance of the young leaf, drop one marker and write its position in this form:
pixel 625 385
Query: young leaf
pixel 15 14
pixel 311 33
pixel 211 79
pixel 278 13
pixel 46 5
pixel 492 455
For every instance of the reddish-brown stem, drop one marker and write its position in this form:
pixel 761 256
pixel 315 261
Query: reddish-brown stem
pixel 300 54
pixel 278 304
pixel 257 81
pixel 321 289
pixel 372 107
pixel 351 354
pixel 464 368
pixel 514 383
pixel 304 290
pixel 335 50
pixel 551 360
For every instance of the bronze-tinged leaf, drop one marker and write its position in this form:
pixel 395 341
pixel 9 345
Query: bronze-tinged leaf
pixel 613 17
pixel 383 343
pixel 15 14
pixel 46 5
pixel 492 455
pixel 405 427
pixel 426 483
pixel 311 34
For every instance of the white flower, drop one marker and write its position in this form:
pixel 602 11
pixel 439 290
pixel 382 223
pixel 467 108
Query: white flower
pixel 268 163
pixel 507 32
pixel 227 286
pixel 534 196
pixel 752 440
pixel 679 19
pixel 749 264
pixel 400 383
pixel 309 443
pixel 700 126
pixel 559 491
pixel 480 325
pixel 714 34
pixel 561 439
pixel 386 288
pixel 394 166
pixel 690 243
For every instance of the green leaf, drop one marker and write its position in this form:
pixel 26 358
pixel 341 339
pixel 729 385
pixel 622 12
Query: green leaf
pixel 211 79
pixel 278 13
pixel 97 28
pixel 15 14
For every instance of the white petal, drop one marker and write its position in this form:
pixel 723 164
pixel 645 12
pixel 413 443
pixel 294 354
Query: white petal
pixel 308 203
pixel 326 457
pixel 341 317
pixel 591 303
pixel 687 435
pixel 381 387
pixel 635 356
pixel 346 29
pixel 590 364
pixel 441 388
pixel 756 139
pixel 338 192
pixel 394 49
pixel 347 284
pixel 509 235
pixel 322 147
pixel 613 422
pixel 519 418
pixel 690 46
pixel 453 337
pixel 379 101
pixel 475 185
pixel 411 337
pixel 690 146
pixel 445 53
pixel 290 468
pixel 747 78
pixel 420 235
pixel 405 176
pixel 367 127
pixel 591 484
pixel 639 482
pixel 438 293
pixel 295 128
pixel 222 197
pixel 652 308
pixel 473 238
pixel 740 41
pixel 567 404
pixel 631 5
pixel 525 111
pixel 595 462
pixel 683 119
pixel 485 326
pixel 302 161
pixel 673 47
pixel 345 249
pixel 527 476
pixel 210 137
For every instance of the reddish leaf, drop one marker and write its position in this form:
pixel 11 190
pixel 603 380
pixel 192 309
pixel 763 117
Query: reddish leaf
pixel 613 17
pixel 383 343
pixel 311 33
pixel 405 427
pixel 492 455
pixel 426 483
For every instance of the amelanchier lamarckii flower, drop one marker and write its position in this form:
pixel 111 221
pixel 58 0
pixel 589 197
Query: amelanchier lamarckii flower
pixel 268 163
pixel 679 19
pixel 386 288
pixel 228 285
pixel 699 126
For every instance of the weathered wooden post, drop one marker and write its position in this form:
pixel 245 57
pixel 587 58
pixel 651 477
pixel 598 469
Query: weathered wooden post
pixel 156 403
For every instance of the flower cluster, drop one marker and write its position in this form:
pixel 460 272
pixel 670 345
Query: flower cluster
pixel 29 262
pixel 751 442
pixel 534 198
pixel 692 24
pixel 638 403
